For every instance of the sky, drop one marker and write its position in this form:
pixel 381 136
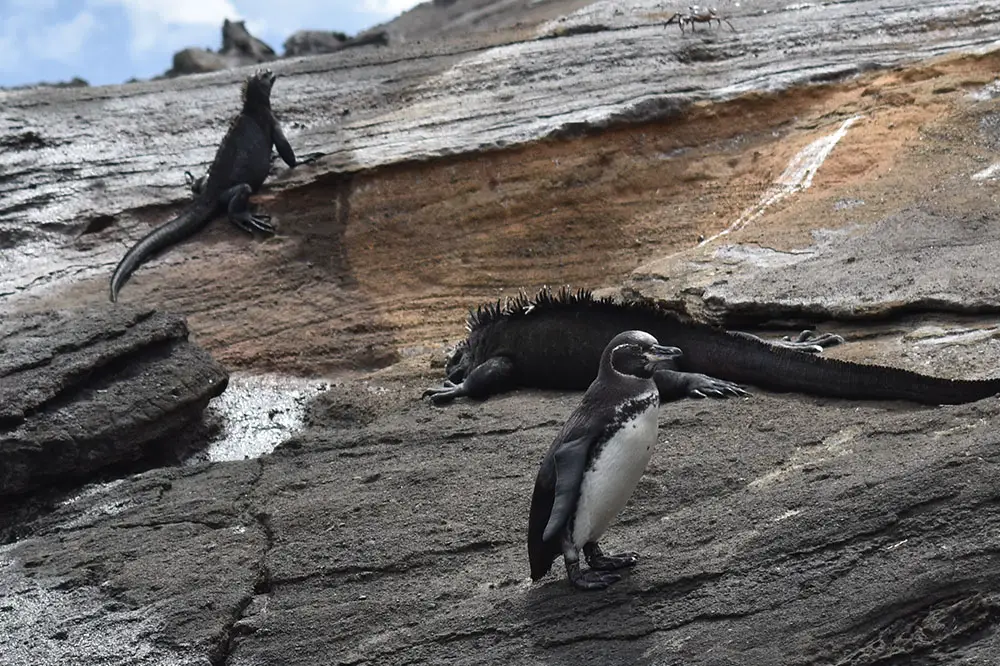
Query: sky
pixel 111 41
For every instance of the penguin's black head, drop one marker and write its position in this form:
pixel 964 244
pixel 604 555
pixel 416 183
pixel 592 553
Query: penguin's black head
pixel 636 353
pixel 257 88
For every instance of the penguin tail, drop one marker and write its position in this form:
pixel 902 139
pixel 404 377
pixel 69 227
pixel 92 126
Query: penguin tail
pixel 541 553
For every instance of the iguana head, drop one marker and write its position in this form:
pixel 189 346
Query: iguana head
pixel 257 88
pixel 457 364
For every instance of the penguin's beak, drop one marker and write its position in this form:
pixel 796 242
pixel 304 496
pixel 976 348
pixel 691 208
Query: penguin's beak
pixel 659 357
pixel 660 354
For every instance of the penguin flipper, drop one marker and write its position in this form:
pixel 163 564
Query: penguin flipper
pixel 542 554
pixel 570 462
pixel 559 464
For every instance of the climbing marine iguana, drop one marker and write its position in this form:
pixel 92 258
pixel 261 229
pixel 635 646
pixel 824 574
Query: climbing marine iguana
pixel 555 340
pixel 241 164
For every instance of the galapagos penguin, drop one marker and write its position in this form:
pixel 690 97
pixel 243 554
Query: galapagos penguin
pixel 595 463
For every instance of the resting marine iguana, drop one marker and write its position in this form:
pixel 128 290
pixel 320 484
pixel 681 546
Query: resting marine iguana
pixel 241 164
pixel 555 340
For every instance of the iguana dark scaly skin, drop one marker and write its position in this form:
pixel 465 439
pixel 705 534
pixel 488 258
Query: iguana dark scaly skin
pixel 240 167
pixel 555 341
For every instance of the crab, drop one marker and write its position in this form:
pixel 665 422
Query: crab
pixel 696 14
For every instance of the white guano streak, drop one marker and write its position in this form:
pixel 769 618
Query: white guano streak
pixel 797 176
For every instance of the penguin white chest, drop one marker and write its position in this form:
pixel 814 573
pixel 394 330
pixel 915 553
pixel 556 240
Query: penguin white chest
pixel 614 473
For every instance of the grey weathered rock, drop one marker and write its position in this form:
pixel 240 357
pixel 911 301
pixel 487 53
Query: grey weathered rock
pixel 419 101
pixel 939 262
pixel 83 390
pixel 197 61
pixel 75 82
pixel 312 42
pixel 239 48
pixel 315 42
pixel 773 530
pixel 236 39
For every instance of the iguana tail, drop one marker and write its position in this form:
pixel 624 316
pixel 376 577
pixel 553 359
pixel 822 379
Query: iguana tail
pixel 159 239
pixel 749 361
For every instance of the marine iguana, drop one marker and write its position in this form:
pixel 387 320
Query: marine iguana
pixel 240 167
pixel 555 340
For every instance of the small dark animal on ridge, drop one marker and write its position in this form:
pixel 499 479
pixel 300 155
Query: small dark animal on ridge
pixel 240 167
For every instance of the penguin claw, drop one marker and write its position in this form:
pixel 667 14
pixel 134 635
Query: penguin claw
pixel 594 580
pixel 613 562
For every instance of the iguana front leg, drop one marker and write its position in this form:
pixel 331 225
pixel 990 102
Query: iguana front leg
pixel 494 376
pixel 674 385
pixel 197 185
pixel 285 149
pixel 237 202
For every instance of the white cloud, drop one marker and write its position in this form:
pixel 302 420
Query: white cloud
pixel 388 7
pixel 151 18
pixel 31 34
pixel 176 12
pixel 63 42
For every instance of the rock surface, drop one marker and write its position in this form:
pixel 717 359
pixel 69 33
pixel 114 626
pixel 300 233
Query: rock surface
pixel 239 48
pixel 85 390
pixel 313 42
pixel 940 263
pixel 584 209
pixel 773 530
pixel 418 101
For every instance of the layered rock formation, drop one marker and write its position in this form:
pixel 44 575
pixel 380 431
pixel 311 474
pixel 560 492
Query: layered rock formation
pixel 86 390
pixel 814 167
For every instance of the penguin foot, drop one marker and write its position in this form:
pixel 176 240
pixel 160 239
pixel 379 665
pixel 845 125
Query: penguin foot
pixel 590 579
pixel 600 562
pixel 613 562
pixel 445 393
